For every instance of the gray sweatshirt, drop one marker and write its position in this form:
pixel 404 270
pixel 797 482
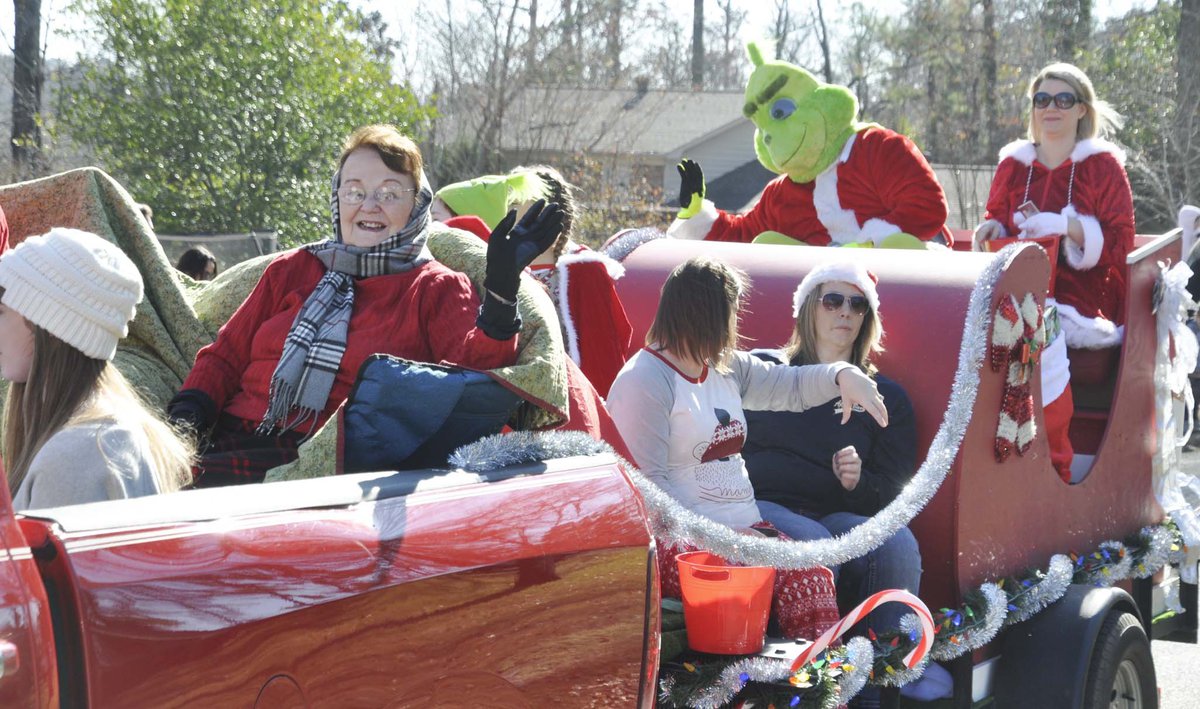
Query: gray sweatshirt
pixel 89 462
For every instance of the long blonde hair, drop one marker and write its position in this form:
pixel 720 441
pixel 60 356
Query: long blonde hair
pixel 66 387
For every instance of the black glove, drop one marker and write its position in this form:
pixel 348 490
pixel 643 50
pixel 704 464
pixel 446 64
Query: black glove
pixel 691 184
pixel 193 411
pixel 510 250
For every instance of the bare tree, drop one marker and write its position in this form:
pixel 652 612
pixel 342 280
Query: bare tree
pixel 725 60
pixel 823 40
pixel 988 61
pixel 27 87
pixel 698 44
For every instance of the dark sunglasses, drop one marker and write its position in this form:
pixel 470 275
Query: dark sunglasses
pixel 833 302
pixel 1063 100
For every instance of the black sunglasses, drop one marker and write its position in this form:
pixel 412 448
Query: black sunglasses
pixel 833 302
pixel 1063 100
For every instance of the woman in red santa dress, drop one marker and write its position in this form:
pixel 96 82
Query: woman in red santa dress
pixel 1067 180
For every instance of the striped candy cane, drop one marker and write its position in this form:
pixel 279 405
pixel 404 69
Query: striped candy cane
pixel 910 660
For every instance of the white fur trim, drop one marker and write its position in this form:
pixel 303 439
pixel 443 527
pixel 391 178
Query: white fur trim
pixel 564 312
pixel 1023 151
pixel 1084 333
pixel 1189 224
pixel 695 227
pixel 586 255
pixel 876 230
pixel 1093 241
pixel 1084 149
pixel 847 271
pixel 1056 372
pixel 842 224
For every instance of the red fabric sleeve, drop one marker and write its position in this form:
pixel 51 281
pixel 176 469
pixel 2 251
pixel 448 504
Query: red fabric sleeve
pixel 890 172
pixel 1108 197
pixel 601 326
pixel 220 365
pixel 999 202
pixel 775 211
pixel 448 310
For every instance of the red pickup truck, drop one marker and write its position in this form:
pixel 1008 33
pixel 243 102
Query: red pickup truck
pixel 534 585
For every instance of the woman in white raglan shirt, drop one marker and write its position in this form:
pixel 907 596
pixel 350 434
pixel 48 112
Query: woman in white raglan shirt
pixel 678 405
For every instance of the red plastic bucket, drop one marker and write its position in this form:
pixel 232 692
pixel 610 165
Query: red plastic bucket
pixel 725 607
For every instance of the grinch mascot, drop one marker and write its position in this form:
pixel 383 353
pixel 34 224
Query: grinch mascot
pixel 840 182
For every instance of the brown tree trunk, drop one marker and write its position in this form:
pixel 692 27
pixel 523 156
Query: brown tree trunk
pixel 27 86
pixel 823 37
pixel 614 40
pixel 1187 97
pixel 988 60
pixel 697 45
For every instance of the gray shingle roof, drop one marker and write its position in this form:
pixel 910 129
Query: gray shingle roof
pixel 616 121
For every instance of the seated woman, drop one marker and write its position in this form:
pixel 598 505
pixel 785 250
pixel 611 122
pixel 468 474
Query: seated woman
pixel 288 357
pixel 199 263
pixel 581 282
pixel 74 431
pixel 817 475
pixel 678 405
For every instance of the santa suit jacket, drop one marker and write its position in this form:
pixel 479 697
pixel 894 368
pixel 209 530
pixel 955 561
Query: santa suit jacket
pixel 1092 187
pixel 879 186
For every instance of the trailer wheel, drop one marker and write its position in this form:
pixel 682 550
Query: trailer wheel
pixel 1121 672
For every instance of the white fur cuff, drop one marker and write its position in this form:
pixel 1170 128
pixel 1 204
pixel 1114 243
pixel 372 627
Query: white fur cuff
pixel 1093 242
pixel 876 230
pixel 697 227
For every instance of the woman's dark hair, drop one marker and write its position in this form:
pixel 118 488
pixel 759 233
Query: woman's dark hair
pixel 698 311
pixel 194 262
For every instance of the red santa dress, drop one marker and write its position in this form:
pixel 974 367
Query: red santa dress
pixel 879 186
pixel 596 330
pixel 1090 186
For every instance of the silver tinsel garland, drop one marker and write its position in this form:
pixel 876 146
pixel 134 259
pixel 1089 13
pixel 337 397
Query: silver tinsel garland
pixel 619 248
pixel 1158 551
pixel 860 655
pixel 995 610
pixel 1051 588
pixel 910 626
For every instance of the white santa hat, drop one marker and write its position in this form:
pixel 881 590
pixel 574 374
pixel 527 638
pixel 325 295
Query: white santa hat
pixel 845 271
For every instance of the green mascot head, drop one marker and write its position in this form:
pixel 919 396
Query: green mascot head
pixel 802 123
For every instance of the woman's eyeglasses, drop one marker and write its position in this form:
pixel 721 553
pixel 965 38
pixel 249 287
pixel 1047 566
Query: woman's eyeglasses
pixel 833 302
pixel 383 196
pixel 1063 100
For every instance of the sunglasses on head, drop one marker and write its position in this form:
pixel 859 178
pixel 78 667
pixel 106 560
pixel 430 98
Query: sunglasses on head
pixel 833 302
pixel 1063 100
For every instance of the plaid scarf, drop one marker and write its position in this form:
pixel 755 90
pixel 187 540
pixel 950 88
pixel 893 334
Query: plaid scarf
pixel 313 349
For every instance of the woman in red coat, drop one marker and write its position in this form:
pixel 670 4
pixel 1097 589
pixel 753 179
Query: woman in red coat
pixel 288 357
pixel 1067 180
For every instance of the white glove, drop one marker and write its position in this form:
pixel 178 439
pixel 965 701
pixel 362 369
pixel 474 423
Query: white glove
pixel 991 229
pixel 1044 224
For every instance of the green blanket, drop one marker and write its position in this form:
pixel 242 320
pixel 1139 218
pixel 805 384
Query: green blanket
pixel 179 315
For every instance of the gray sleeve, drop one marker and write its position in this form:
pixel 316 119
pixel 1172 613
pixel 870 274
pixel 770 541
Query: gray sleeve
pixel 640 401
pixel 82 464
pixel 767 386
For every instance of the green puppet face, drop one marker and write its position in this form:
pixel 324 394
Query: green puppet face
pixel 802 123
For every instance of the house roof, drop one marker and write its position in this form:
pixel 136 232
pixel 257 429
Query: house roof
pixel 624 121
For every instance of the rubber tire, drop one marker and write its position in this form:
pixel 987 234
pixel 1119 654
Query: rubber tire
pixel 1121 639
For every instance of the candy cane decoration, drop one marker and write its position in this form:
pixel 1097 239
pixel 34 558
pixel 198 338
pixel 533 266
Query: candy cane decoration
pixel 911 660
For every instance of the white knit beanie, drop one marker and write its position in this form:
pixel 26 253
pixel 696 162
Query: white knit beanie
pixel 76 286
pixel 846 271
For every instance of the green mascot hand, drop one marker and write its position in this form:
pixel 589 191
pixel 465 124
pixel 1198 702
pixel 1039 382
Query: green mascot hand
pixel 691 188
